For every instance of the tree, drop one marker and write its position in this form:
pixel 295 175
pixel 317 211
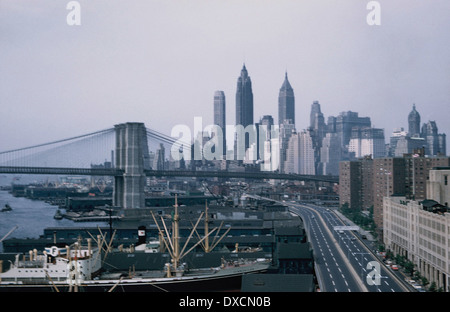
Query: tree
pixel 425 281
pixel 409 267
pixel 433 287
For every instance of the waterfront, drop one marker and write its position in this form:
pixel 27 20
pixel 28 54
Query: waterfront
pixel 31 217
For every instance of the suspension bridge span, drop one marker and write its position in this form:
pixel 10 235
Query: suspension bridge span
pixel 127 146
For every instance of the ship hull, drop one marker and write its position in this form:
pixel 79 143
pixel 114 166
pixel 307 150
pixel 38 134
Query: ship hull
pixel 212 283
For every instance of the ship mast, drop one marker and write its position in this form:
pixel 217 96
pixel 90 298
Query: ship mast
pixel 176 235
pixel 206 227
pixel 172 242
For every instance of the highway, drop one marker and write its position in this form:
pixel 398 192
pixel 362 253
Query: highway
pixel 343 262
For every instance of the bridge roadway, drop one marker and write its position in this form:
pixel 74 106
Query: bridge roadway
pixel 168 173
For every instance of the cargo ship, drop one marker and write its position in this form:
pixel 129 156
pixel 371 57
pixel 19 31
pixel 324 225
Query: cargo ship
pixel 80 268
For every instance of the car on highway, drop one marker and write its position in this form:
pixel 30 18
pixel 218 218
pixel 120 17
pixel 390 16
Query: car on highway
pixel 394 267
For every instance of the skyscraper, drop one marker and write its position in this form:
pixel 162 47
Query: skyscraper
pixel 435 142
pixel 300 154
pixel 367 142
pixel 330 155
pixel 318 131
pixel 286 102
pixel 244 107
pixel 414 122
pixel 345 123
pixel 285 132
pixel 316 119
pixel 219 115
pixel 244 99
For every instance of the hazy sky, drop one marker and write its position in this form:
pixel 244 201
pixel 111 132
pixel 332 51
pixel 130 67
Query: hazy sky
pixel 160 62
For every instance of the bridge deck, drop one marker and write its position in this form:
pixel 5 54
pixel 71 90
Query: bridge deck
pixel 168 173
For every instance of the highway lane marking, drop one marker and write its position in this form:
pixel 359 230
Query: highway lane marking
pixel 327 237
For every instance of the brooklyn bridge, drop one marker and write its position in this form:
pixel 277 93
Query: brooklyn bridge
pixel 127 145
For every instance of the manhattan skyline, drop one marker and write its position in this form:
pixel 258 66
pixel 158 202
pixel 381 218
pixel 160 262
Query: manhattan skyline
pixel 161 62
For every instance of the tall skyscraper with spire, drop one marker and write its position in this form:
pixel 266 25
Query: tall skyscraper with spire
pixel 244 108
pixel 286 103
pixel 244 99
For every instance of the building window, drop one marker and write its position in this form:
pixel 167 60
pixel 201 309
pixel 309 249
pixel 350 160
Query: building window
pixel 445 180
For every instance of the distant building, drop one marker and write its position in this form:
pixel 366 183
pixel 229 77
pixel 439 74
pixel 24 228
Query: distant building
pixel 414 122
pixel 244 99
pixel 367 142
pixel 265 131
pixel 300 154
pixel 286 130
pixel 402 143
pixel 220 116
pixel 330 155
pixel 427 137
pixel 159 162
pixel 435 142
pixel 345 123
pixel 318 132
pixel 244 103
pixel 286 103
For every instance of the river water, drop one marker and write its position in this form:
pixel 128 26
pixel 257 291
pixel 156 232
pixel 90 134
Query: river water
pixel 31 217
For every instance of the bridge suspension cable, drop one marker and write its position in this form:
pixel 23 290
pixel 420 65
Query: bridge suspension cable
pixel 58 141
pixel 80 151
pixel 163 138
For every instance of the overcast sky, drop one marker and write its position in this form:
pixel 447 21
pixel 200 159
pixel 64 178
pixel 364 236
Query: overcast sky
pixel 160 62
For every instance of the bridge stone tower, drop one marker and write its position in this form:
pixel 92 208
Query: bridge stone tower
pixel 132 157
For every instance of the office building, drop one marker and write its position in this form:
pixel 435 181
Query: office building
pixel 318 131
pixel 345 123
pixel 414 122
pixel 330 155
pixel 285 132
pixel 419 230
pixel 220 116
pixel 435 142
pixel 367 142
pixel 244 99
pixel 402 143
pixel 300 154
pixel 244 108
pixel 286 103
